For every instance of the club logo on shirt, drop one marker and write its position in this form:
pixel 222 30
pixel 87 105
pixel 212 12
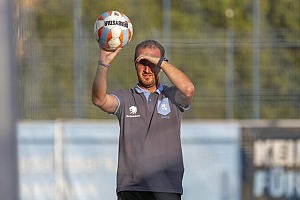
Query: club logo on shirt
pixel 163 107
pixel 133 112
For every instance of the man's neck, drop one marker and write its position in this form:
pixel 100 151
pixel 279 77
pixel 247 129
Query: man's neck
pixel 150 89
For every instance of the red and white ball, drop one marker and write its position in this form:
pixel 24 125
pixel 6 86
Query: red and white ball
pixel 113 29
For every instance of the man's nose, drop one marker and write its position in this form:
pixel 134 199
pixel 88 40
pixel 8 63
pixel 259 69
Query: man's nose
pixel 147 68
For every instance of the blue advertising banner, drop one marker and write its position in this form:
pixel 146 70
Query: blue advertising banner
pixel 77 160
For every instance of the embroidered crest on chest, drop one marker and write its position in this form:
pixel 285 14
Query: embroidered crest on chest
pixel 163 106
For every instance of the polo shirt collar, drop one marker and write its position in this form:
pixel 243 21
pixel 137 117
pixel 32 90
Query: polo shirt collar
pixel 140 90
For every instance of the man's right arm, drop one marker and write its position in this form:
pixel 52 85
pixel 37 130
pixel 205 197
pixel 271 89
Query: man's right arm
pixel 100 98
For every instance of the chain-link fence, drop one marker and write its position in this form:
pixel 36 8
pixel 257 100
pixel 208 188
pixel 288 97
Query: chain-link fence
pixel 243 56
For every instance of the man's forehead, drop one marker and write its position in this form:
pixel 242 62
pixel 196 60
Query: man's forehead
pixel 150 50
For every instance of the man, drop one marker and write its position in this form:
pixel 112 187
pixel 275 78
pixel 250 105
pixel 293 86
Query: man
pixel 150 164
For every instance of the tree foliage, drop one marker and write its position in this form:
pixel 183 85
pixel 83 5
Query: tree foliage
pixel 198 46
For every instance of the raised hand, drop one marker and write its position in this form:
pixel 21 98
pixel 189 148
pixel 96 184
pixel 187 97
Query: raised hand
pixel 106 57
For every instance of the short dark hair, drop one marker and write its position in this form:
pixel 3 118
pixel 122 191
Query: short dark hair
pixel 149 44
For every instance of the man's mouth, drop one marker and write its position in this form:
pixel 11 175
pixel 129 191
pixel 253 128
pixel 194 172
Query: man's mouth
pixel 147 75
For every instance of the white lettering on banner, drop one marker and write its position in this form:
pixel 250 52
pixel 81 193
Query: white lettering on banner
pixel 277 152
pixel 276 183
pixel 276 168
pixel 259 183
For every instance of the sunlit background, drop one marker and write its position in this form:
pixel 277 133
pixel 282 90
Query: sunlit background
pixel 242 56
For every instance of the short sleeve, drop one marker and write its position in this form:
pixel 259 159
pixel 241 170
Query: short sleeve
pixel 170 93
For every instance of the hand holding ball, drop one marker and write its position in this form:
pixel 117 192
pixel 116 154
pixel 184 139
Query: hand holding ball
pixel 113 29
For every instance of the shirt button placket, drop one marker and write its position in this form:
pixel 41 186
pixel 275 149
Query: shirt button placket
pixel 151 103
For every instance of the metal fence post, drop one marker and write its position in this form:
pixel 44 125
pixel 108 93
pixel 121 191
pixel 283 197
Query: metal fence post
pixel 8 106
pixel 256 59
pixel 58 161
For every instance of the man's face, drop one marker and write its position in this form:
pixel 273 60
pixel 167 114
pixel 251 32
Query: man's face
pixel 148 73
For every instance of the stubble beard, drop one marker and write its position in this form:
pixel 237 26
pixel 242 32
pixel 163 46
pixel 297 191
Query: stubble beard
pixel 148 83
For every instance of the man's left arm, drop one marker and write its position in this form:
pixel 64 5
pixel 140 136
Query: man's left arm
pixel 184 85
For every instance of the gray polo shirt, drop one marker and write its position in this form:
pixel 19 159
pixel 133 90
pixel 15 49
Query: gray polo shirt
pixel 150 154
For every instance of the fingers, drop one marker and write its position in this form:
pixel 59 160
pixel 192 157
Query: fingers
pixel 108 53
pixel 108 56
pixel 148 57
pixel 117 50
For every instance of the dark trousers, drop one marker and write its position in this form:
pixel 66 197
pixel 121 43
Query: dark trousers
pixel 134 195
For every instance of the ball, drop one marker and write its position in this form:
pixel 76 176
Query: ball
pixel 113 29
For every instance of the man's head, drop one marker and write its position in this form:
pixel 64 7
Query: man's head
pixel 149 44
pixel 147 72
